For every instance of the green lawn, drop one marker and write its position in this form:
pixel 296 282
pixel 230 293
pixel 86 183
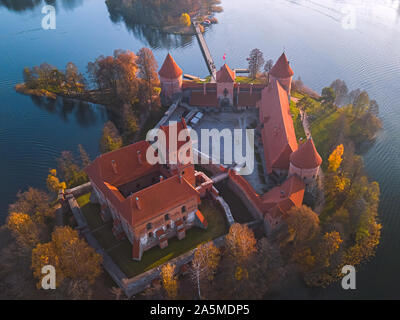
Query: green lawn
pixel 321 130
pixel 298 125
pixel 242 79
pixel 121 251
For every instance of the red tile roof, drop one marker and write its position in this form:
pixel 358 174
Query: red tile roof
pixel 111 170
pixel 306 157
pixel 289 194
pixel 282 69
pixel 169 69
pixel 201 218
pixel 226 74
pixel 278 135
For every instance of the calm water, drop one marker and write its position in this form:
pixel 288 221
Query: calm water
pixel 32 134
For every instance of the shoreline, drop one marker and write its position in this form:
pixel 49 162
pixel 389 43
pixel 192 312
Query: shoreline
pixel 91 96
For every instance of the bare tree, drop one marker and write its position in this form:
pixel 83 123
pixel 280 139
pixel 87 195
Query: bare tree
pixel 205 262
pixel 256 61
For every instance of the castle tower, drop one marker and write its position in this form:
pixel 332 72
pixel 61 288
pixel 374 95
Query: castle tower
pixel 282 72
pixel 225 83
pixel 305 162
pixel 170 77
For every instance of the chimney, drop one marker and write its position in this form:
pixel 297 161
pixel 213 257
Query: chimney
pixel 251 88
pixel 114 166
pixel 138 203
pixel 139 157
pixel 204 88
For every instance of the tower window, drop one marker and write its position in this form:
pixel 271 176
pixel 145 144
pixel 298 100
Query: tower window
pixel 167 217
pixel 183 209
pixel 149 226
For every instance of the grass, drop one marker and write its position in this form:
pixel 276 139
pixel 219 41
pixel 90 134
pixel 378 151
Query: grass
pixel 121 251
pixel 298 125
pixel 250 80
pixel 321 129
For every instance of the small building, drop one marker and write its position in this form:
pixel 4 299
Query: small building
pixel 283 73
pixel 305 162
pixel 277 202
pixel 148 203
pixel 225 84
pixel 170 77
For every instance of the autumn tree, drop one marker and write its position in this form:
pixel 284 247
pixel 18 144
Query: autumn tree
pixel 71 256
pixel 53 183
pixel 148 68
pixel 70 170
pixel 169 280
pixel 303 226
pixel 74 79
pixel 24 229
pixel 116 73
pixel 33 202
pixel 130 124
pixel 256 61
pixel 185 20
pixel 241 243
pixel 84 157
pixel 335 159
pixel 328 96
pixel 110 140
pixel 328 246
pixel 204 264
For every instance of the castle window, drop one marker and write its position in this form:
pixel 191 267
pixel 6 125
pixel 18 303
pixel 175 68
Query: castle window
pixel 149 226
pixel 167 217
pixel 183 209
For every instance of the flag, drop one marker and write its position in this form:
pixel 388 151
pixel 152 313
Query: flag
pixel 224 57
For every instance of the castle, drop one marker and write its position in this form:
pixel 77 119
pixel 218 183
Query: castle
pixel 150 203
pixel 285 159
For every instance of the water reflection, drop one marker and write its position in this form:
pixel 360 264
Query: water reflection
pixel 85 114
pixel 24 5
pixel 157 21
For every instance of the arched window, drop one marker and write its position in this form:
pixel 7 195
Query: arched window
pixel 183 209
pixel 167 217
pixel 149 226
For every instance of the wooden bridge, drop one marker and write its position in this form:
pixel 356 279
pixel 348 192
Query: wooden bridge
pixel 206 52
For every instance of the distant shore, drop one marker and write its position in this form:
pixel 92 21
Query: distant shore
pixel 93 96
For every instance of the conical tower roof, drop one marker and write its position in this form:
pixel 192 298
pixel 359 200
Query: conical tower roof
pixel 306 156
pixel 169 69
pixel 225 74
pixel 282 69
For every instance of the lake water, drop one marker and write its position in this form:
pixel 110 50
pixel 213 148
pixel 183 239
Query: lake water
pixel 365 52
